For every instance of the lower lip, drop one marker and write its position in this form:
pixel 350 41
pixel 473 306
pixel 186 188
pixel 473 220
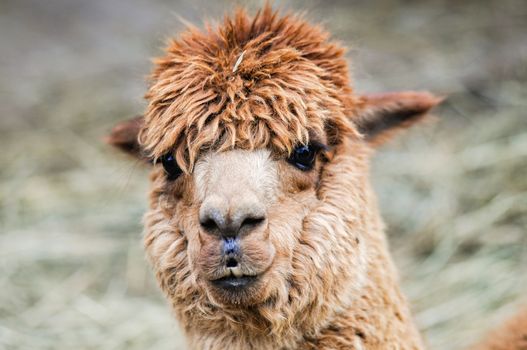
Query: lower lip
pixel 233 283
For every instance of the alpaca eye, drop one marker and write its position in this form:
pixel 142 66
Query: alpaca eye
pixel 171 168
pixel 303 157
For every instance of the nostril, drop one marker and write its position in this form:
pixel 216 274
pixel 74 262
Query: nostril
pixel 211 218
pixel 252 221
pixel 230 220
pixel 209 224
pixel 232 262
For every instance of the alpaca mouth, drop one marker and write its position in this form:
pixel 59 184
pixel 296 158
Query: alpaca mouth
pixel 233 282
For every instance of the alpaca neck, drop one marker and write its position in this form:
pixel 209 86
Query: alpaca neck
pixel 379 318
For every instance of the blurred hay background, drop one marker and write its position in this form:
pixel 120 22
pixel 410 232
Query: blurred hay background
pixel 454 193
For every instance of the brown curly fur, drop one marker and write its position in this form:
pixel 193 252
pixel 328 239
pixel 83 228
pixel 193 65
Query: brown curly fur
pixel 231 103
pixel 198 101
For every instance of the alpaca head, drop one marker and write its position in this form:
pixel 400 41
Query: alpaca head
pixel 260 207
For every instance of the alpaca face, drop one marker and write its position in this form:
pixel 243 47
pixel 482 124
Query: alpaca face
pixel 241 215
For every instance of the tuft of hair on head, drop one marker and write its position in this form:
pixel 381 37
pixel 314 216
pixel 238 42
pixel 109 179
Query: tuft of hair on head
pixel 261 81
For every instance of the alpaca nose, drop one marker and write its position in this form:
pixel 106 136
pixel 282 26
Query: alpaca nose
pixel 239 217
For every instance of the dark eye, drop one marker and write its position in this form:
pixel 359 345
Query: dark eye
pixel 171 168
pixel 303 157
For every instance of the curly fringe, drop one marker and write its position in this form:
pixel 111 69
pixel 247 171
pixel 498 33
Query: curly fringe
pixel 253 82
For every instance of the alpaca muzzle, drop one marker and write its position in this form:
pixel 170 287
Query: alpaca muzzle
pixel 235 274
pixel 230 217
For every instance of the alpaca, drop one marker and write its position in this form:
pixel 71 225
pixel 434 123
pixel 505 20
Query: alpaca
pixel 262 229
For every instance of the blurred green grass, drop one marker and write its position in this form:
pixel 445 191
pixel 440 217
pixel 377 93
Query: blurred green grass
pixel 453 193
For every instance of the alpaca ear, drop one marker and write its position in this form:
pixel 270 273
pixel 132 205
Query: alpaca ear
pixel 124 136
pixel 381 115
